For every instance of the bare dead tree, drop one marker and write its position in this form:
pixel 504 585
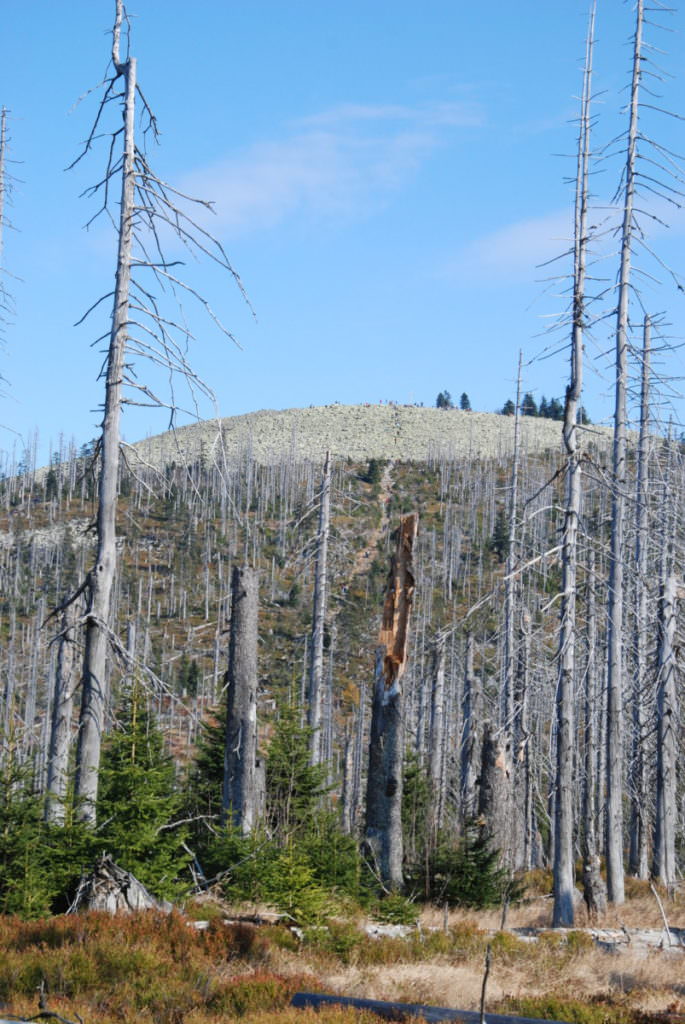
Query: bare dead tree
pixel 3 189
pixel 66 680
pixel 383 835
pixel 638 861
pixel 148 207
pixel 594 887
pixel 239 799
pixel 437 729
pixel 470 750
pixel 6 185
pixel 495 803
pixel 614 733
pixel 664 862
pixel 563 831
pixel 511 582
pixel 319 615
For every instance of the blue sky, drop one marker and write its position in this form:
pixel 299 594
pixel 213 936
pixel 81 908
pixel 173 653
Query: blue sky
pixel 387 177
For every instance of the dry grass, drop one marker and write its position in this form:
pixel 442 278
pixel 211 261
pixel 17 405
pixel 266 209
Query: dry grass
pixel 553 969
pixel 639 911
pixel 163 971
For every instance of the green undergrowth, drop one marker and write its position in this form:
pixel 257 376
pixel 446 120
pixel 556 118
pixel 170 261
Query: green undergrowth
pixel 597 1010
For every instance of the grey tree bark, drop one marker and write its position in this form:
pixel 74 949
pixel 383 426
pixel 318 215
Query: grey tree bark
pixel 239 802
pixel 638 862
pixel 3 177
pixel 563 886
pixel 65 685
pixel 383 833
pixel 94 681
pixel 436 745
pixel 594 888
pixel 664 863
pixel 314 702
pixel 140 329
pixel 495 796
pixel 614 733
pixel 510 580
pixel 470 749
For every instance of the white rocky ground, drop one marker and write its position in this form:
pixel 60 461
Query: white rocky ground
pixel 359 432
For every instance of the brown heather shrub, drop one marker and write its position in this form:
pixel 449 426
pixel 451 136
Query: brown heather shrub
pixel 145 963
pixel 290 1015
pixel 256 992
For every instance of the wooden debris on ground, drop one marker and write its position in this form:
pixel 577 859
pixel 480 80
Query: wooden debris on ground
pixel 109 887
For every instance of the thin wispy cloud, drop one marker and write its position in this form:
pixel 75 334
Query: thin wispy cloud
pixel 452 114
pixel 341 163
pixel 516 252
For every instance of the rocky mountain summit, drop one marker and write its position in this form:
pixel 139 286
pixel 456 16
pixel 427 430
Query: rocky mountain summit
pixel 407 433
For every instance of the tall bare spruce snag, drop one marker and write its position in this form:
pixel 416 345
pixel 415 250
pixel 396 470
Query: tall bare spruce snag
pixel 148 206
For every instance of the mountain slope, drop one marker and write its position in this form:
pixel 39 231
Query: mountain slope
pixel 357 432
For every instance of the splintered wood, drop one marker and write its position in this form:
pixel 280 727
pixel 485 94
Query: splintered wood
pixel 398 599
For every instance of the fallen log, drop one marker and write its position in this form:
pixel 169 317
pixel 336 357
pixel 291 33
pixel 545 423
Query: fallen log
pixel 405 1011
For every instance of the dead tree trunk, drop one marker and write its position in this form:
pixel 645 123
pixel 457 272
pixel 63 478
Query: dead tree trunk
pixel 495 798
pixel 319 615
pixel 239 796
pixel 511 583
pixel 3 188
pixel 470 750
pixel 140 329
pixel 638 862
pixel 436 745
pixel 62 708
pixel 664 864
pixel 383 836
pixel 100 581
pixel 563 806
pixel 594 888
pixel 614 786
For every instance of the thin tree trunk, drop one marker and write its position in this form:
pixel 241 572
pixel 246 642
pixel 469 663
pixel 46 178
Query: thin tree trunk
pixel 564 885
pixel 510 581
pixel 594 889
pixel 614 788
pixel 664 865
pixel 319 616
pixel 436 746
pixel 470 752
pixel 639 831
pixel 3 187
pixel 239 797
pixel 100 582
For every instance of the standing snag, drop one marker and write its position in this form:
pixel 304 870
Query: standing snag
pixel 148 210
pixel 565 726
pixel 239 799
pixel 315 702
pixel 383 837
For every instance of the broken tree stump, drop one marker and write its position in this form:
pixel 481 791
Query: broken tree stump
pixel 109 887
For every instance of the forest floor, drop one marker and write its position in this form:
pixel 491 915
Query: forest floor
pixel 556 968
pixel 170 969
